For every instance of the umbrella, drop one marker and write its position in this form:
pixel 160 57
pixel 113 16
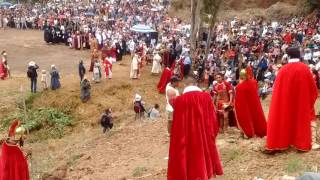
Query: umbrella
pixel 5 4
pixel 142 28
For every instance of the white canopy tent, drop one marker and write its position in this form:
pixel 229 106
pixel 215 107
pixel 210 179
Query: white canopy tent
pixel 142 28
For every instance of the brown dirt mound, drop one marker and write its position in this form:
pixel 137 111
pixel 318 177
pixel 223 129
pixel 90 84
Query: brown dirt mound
pixel 247 9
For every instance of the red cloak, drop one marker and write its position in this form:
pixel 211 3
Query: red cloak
pixel 193 153
pixel 292 108
pixel 3 71
pixel 13 165
pixel 113 52
pixel 249 112
pixel 108 66
pixel 164 80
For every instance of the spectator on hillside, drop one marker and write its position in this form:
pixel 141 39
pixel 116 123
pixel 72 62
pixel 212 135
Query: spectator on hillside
pixel 33 75
pixel 82 70
pixel 44 80
pixel 106 120
pixel 85 90
pixel 154 112
pixel 55 78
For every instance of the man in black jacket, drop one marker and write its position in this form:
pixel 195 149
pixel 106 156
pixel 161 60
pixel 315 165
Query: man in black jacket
pixel 33 75
pixel 82 70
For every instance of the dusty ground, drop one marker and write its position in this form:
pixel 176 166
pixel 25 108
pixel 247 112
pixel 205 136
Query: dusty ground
pixel 133 149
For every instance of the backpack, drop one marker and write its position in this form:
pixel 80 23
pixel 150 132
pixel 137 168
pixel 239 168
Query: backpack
pixel 137 107
pixel 30 73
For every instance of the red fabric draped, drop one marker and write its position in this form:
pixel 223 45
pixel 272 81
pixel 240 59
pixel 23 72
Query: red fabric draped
pixel 13 165
pixel 249 112
pixel 292 108
pixel 287 38
pixel 107 65
pixel 164 80
pixel 113 52
pixel 193 153
pixel 249 72
pixel 3 71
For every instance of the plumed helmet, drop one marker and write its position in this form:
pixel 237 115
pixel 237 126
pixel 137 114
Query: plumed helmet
pixel 243 75
pixel 16 131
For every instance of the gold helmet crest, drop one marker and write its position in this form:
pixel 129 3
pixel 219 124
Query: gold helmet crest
pixel 243 75
pixel 17 131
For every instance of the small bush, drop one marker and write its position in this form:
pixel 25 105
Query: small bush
pixel 50 121
pixel 138 171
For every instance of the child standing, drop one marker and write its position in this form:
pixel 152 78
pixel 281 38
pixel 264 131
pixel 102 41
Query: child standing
pixel 44 79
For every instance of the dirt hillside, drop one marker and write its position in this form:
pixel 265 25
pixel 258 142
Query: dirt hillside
pixel 246 9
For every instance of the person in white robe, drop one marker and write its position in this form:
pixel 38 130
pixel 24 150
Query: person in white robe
pixel 134 71
pixel 156 66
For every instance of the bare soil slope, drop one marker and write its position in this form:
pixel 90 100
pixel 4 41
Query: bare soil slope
pixel 246 9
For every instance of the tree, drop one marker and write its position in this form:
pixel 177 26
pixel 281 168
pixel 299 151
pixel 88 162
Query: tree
pixel 193 24
pixel 210 11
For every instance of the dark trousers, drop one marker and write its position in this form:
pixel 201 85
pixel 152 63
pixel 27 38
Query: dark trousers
pixel 186 70
pixel 81 77
pixel 33 85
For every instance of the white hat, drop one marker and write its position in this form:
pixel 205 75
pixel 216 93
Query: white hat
pixel 137 97
pixel 32 63
pixel 53 66
pixel 268 74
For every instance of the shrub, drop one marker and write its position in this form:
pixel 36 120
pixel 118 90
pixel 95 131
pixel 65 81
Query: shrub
pixel 50 121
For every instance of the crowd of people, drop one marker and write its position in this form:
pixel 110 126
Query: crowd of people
pixel 246 61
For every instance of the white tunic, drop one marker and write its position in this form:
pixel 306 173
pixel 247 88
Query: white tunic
pixel 169 108
pixel 156 66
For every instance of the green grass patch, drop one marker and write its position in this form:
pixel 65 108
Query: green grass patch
pixel 294 165
pixel 29 99
pixel 232 154
pixel 138 171
pixel 44 122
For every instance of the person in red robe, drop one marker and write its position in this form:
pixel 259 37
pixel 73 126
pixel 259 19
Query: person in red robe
pixel 3 70
pixel 223 98
pixel 13 161
pixel 193 153
pixel 164 80
pixel 77 41
pixel 287 38
pixel 108 67
pixel 113 52
pixel 248 109
pixel 292 107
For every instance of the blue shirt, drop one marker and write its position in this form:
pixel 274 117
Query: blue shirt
pixel 187 60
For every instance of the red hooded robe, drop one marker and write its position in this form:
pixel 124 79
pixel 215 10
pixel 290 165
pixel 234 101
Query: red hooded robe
pixel 292 108
pixel 108 66
pixel 249 112
pixel 3 71
pixel 13 165
pixel 193 153
pixel 164 80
